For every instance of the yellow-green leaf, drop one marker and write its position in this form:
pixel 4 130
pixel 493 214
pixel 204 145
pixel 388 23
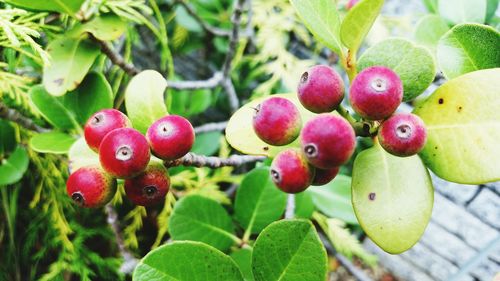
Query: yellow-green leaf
pixel 106 27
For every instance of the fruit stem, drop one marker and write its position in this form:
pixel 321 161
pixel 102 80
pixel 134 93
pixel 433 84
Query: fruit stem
pixel 345 113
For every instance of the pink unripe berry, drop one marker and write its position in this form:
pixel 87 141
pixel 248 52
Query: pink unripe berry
pixel 403 134
pixel 321 89
pixel 376 93
pixel 351 4
pixel 171 137
pixel 101 123
pixel 277 121
pixel 150 187
pixel 327 141
pixel 124 153
pixel 290 171
pixel 91 187
pixel 323 176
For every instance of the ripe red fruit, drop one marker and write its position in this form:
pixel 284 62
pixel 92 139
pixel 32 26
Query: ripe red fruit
pixel 321 89
pixel 290 171
pixel 376 93
pixel 171 137
pixel 91 187
pixel 403 134
pixel 327 141
pixel 277 121
pixel 101 123
pixel 150 187
pixel 124 153
pixel 323 176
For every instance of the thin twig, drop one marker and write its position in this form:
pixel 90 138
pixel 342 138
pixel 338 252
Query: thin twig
pixel 195 160
pixel 211 127
pixel 208 28
pixel 14 116
pixel 129 261
pixel 209 83
pixel 290 207
pixel 115 57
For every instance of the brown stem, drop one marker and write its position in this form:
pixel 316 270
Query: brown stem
pixel 195 160
pixel 14 116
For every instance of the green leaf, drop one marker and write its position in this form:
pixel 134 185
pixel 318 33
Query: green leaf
pixel 334 199
pixel 70 7
pixel 71 59
pixel 241 136
pixel 188 103
pixel 92 95
pixel 392 198
pixel 186 261
pixel 243 258
pixel 358 22
pixel 106 27
pixel 207 143
pixel 429 30
pixel 7 138
pixel 258 201
pixel 144 99
pixel 431 5
pixel 491 8
pixel 414 64
pixel 201 219
pixel 304 205
pixel 462 11
pixel 468 47
pixel 463 128
pixel 80 155
pixel 323 21
pixel 52 142
pixel 13 168
pixel 289 250
pixel 53 108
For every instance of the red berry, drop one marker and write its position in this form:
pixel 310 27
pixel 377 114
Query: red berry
pixel 321 89
pixel 91 187
pixel 327 141
pixel 101 123
pixel 403 134
pixel 376 93
pixel 171 137
pixel 277 121
pixel 150 187
pixel 124 153
pixel 323 177
pixel 290 171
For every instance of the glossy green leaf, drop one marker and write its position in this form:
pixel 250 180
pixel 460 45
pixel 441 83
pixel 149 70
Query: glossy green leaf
pixel 392 198
pixel 53 109
pixel 304 205
pixel 468 47
pixel 241 136
pixel 207 143
pixel 258 201
pixel 431 5
pixel 80 155
pixel 71 59
pixel 358 22
pixel 334 199
pixel 144 99
pixel 323 21
pixel 491 8
pixel 188 103
pixel 414 64
pixel 186 261
pixel 70 7
pixel 201 219
pixel 105 27
pixel 52 142
pixel 289 250
pixel 462 11
pixel 429 30
pixel 7 137
pixel 91 96
pixel 13 168
pixel 243 258
pixel 463 128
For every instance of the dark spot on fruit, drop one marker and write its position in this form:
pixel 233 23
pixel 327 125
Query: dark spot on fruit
pixel 266 148
pixel 276 176
pixel 150 191
pixel 311 150
pixel 441 101
pixel 304 77
pixel 78 198
pixel 459 109
pixel 59 81
pixel 371 196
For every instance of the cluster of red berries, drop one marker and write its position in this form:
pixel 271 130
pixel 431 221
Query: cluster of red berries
pixel 124 153
pixel 328 141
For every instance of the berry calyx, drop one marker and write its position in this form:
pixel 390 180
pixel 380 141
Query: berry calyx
pixel 150 187
pixel 321 89
pixel 91 187
pixel 277 121
pixel 101 123
pixel 290 171
pixel 170 137
pixel 376 93
pixel 324 176
pixel 403 134
pixel 327 141
pixel 124 153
